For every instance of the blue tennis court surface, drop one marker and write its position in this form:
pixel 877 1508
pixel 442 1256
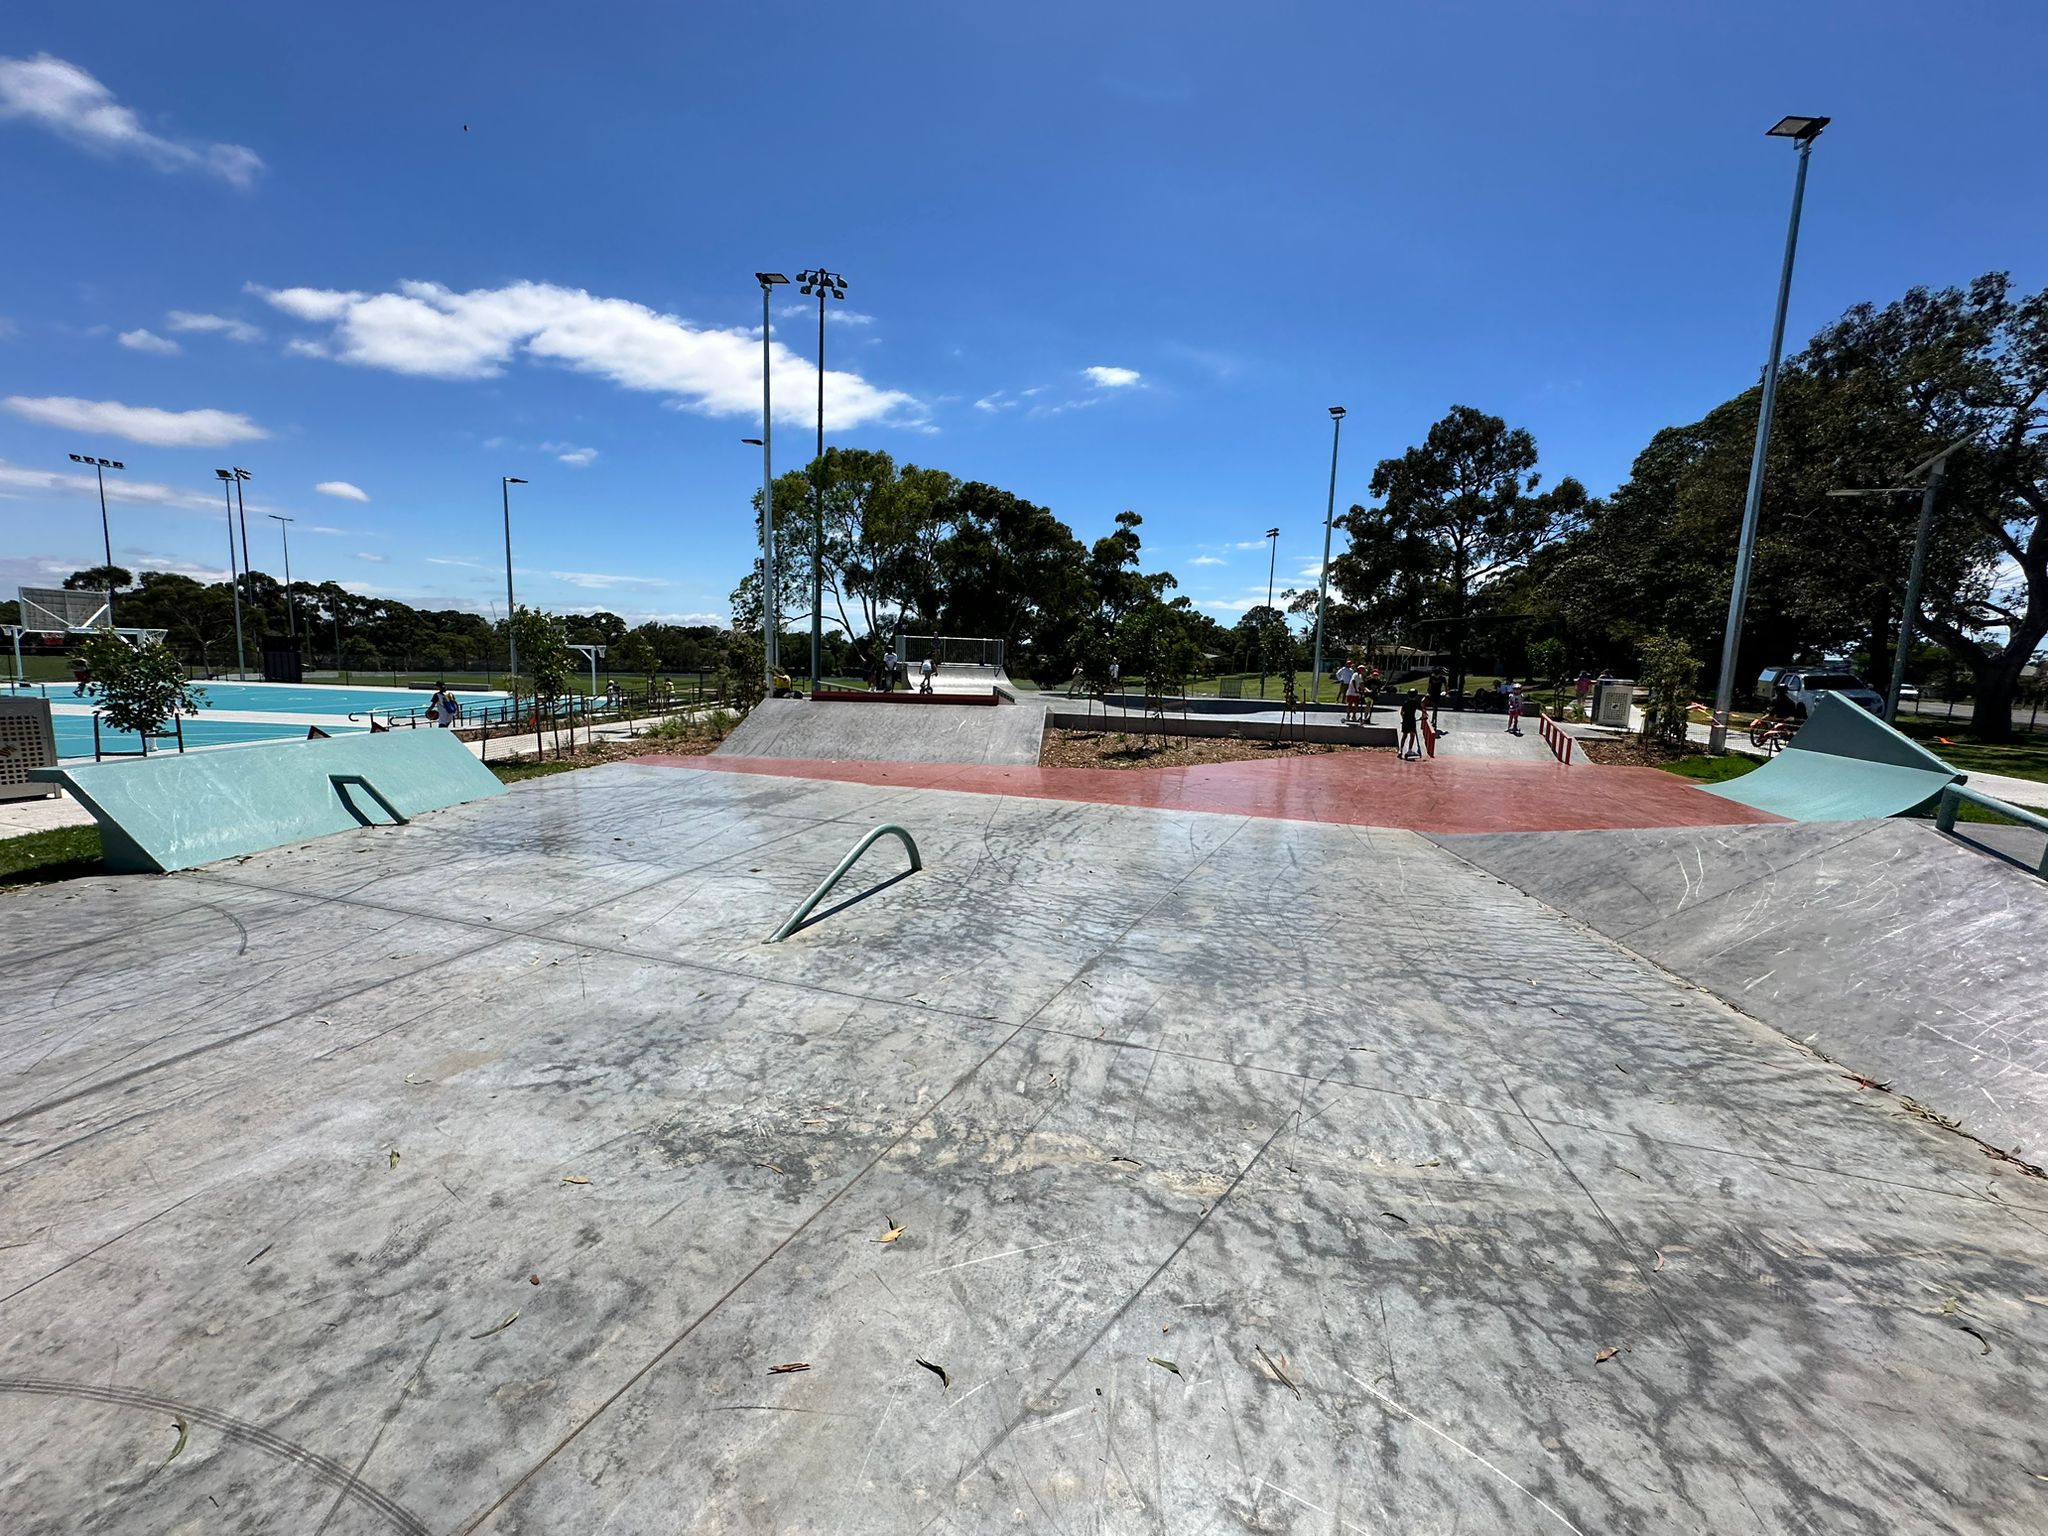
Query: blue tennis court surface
pixel 232 713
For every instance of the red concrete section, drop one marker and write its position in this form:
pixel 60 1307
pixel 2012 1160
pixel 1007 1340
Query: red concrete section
pixel 1367 789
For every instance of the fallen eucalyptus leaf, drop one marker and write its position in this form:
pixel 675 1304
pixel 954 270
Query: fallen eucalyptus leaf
pixel 1278 1374
pixel 182 1432
pixel 793 1366
pixel 1164 1365
pixel 937 1370
pixel 394 1157
pixel 499 1329
pixel 895 1231
pixel 1606 1354
pixel 574 1178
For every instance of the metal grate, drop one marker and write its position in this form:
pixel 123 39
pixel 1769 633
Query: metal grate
pixel 27 740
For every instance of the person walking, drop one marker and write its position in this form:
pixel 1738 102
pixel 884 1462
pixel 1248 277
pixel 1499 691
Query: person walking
pixel 1354 687
pixel 1411 726
pixel 1345 672
pixel 1074 682
pixel 1436 700
pixel 1514 709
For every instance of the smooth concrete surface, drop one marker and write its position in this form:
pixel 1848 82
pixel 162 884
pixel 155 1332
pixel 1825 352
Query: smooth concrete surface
pixel 178 811
pixel 1909 957
pixel 889 733
pixel 1845 764
pixel 1244 1175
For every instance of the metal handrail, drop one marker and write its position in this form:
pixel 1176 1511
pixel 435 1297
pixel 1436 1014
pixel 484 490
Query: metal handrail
pixel 342 781
pixel 796 918
pixel 1955 794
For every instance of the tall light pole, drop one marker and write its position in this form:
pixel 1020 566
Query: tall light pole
pixel 505 484
pixel 1272 558
pixel 824 283
pixel 771 617
pixel 99 469
pixel 241 476
pixel 291 623
pixel 227 496
pixel 1802 131
pixel 1315 687
pixel 1930 490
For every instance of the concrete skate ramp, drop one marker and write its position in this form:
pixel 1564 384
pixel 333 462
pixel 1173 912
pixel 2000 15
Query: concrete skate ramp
pixel 1907 956
pixel 1844 765
pixel 1003 735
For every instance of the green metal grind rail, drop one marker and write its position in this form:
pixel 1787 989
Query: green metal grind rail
pixel 797 917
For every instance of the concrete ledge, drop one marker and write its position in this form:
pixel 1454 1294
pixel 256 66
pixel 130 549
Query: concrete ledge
pixel 163 813
pixel 1374 735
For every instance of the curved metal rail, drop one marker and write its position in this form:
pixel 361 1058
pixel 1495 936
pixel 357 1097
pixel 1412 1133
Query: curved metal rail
pixel 796 918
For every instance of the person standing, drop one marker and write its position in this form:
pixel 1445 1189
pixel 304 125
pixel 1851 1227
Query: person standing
pixel 924 672
pixel 1582 688
pixel 1115 674
pixel 1354 687
pixel 1345 672
pixel 1436 700
pixel 1411 727
pixel 1514 709
pixel 889 665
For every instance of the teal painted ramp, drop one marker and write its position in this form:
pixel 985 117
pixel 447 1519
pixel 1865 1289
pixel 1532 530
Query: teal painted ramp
pixel 165 813
pixel 1844 765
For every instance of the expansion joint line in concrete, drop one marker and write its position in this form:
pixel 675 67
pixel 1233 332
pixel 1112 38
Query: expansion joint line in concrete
pixel 845 1189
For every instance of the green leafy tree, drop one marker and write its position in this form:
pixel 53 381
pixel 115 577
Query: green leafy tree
pixel 100 578
pixel 635 655
pixel 547 661
pixel 1670 673
pixel 1466 501
pixel 137 688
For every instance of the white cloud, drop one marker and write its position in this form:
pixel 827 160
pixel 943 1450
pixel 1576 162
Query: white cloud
pixel 120 488
pixel 61 97
pixel 475 565
pixel 833 314
pixel 342 489
pixel 571 455
pixel 301 346
pixel 1111 378
pixel 1249 544
pixel 598 580
pixel 426 329
pixel 373 559
pixel 1198 560
pixel 233 329
pixel 999 401
pixel 137 423
pixel 148 341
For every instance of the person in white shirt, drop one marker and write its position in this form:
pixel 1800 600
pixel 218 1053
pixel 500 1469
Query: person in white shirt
pixel 924 671
pixel 889 665
pixel 1344 676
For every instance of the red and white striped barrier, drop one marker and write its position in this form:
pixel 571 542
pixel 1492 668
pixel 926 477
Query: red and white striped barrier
pixel 1555 736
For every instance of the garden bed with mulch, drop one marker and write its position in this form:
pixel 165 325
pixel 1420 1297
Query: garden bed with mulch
pixel 1134 749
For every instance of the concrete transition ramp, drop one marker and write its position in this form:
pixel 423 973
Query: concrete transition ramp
pixel 1844 765
pixel 1908 957
pixel 1003 735
pixel 178 812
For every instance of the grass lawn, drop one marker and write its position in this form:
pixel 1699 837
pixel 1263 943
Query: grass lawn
pixel 1712 770
pixel 2026 758
pixel 65 853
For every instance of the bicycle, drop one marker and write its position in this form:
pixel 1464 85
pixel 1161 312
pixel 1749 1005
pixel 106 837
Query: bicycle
pixel 1770 735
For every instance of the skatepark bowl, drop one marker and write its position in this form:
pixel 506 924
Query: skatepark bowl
pixel 1127 1168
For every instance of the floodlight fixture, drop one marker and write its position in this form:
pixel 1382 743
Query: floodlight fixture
pixel 1337 411
pixel 1804 129
pixel 769 279
pixel 751 442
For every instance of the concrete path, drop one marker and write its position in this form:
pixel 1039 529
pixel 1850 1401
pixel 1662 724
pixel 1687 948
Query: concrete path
pixel 1486 737
pixel 479 1175
pixel 1369 789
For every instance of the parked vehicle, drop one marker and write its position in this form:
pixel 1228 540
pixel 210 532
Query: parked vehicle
pixel 1807 687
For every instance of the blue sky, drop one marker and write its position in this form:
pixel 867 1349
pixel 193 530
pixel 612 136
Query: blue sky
pixel 262 235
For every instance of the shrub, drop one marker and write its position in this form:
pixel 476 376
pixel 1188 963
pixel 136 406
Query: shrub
pixel 138 687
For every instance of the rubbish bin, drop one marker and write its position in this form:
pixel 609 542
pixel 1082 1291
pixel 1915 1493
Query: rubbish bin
pixel 1611 697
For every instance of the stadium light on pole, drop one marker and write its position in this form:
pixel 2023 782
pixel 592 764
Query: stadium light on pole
pixel 99 469
pixel 1272 558
pixel 242 516
pixel 823 283
pixel 227 496
pixel 505 484
pixel 771 616
pixel 1802 131
pixel 291 623
pixel 1315 687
